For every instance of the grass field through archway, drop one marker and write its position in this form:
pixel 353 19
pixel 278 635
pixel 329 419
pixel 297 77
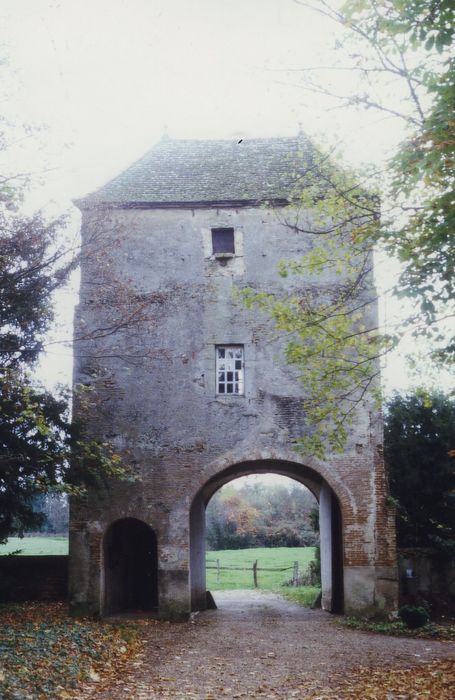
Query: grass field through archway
pixel 236 570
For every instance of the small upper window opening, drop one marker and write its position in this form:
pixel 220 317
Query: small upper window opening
pixel 223 241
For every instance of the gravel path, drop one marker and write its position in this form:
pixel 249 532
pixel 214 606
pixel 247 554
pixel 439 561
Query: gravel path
pixel 258 645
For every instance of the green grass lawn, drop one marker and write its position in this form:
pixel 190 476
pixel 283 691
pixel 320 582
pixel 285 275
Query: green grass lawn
pixel 273 558
pixel 302 595
pixel 267 558
pixel 35 545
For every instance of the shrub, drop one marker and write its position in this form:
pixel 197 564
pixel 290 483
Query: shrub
pixel 413 617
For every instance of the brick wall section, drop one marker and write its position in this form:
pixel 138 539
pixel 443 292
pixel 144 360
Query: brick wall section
pixel 33 578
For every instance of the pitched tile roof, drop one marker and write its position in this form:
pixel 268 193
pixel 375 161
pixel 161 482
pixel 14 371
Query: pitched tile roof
pixel 184 171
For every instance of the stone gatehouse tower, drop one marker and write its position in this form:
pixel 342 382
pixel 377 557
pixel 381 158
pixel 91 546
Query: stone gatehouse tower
pixel 189 386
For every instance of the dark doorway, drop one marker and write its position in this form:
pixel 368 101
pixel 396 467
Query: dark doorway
pixel 130 567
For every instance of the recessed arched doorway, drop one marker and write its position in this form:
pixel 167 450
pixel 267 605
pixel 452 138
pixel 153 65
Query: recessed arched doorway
pixel 130 567
pixel 330 525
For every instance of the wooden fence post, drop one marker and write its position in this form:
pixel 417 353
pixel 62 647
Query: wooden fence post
pixel 295 574
pixel 217 570
pixel 255 573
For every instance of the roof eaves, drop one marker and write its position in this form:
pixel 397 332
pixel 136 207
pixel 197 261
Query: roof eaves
pixel 88 204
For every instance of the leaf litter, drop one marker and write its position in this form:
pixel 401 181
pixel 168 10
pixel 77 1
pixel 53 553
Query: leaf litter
pixel 44 654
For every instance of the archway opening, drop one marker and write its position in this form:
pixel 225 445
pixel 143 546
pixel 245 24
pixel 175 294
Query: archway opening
pixel 130 567
pixel 262 533
pixel 330 525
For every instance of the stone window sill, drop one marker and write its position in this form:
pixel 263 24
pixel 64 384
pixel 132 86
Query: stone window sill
pixel 223 256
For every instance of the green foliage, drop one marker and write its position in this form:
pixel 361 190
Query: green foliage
pixel 423 178
pixel 399 629
pixel 412 42
pixel 302 595
pixel 419 434
pixel 413 617
pixel 32 266
pixel 330 319
pixel 40 449
pixel 430 22
pixel 334 340
pixel 260 515
pixel 315 566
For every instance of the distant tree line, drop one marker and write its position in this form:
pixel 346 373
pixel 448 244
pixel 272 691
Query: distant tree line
pixel 261 515
pixel 54 508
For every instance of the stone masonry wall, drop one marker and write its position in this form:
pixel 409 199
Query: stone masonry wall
pixel 153 393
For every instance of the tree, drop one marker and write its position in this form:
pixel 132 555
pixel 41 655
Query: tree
pixel 419 436
pixel 231 521
pixel 40 449
pixel 335 341
pixel 260 515
pixel 412 40
pixel 407 44
pixel 55 508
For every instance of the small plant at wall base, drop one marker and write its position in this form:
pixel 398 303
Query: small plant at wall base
pixel 400 629
pixel 413 617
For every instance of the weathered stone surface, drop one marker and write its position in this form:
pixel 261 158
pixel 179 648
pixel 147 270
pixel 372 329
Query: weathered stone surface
pixel 153 396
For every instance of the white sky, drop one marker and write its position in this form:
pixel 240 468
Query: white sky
pixel 106 78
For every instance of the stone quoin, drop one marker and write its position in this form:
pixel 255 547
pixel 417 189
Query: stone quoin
pixel 192 388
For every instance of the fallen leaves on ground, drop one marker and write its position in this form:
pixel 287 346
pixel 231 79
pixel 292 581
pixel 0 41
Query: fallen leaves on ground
pixel 44 653
pixel 430 681
pixel 433 680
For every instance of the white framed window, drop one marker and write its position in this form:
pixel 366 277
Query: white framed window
pixel 230 370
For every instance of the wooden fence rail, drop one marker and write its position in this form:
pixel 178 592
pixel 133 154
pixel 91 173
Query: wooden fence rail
pixel 254 568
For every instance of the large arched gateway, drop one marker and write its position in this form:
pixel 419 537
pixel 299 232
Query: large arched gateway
pixel 330 523
pixel 192 389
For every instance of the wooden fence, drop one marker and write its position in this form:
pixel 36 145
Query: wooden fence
pixel 254 569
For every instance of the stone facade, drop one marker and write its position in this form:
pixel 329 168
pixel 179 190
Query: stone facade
pixel 153 395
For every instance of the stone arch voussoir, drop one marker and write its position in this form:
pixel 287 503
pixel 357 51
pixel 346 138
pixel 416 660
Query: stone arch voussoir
pixel 229 461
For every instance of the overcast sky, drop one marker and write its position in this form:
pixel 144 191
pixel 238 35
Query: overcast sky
pixel 102 80
pixel 107 78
